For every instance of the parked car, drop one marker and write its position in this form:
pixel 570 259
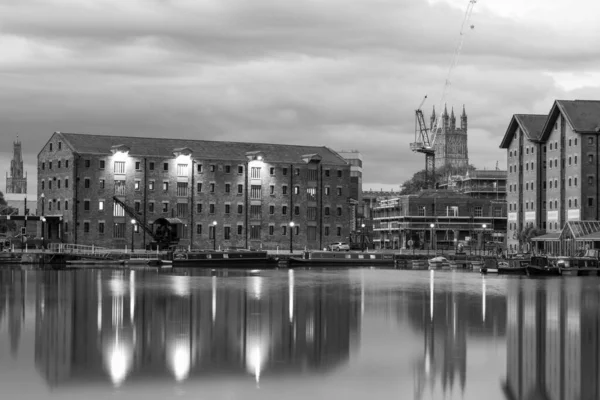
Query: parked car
pixel 339 246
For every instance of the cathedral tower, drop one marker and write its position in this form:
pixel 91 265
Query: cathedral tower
pixel 451 141
pixel 17 181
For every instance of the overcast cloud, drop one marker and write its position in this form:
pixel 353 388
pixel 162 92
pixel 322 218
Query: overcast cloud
pixel 345 74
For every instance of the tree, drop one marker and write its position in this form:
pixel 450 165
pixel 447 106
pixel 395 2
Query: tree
pixel 5 209
pixel 528 233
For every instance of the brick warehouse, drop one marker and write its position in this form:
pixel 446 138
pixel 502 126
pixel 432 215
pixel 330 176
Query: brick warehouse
pixel 253 191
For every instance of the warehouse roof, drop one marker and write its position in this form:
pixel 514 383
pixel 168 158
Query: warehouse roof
pixel 201 149
pixel 530 124
pixel 582 115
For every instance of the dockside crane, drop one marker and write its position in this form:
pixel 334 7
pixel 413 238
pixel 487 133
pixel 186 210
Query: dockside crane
pixel 425 137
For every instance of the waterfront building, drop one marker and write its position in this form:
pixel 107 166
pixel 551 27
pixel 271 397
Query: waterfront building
pixel 485 184
pixel 553 163
pixel 221 194
pixel 437 219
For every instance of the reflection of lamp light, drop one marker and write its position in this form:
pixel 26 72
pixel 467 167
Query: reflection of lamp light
pixel 431 279
pixel 291 293
pixel 180 285
pixel 483 299
pixel 214 224
pixel 119 361
pixel 255 286
pixel 180 360
pixel 214 298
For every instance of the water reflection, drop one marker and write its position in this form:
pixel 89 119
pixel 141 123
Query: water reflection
pixel 553 344
pixel 448 314
pixel 135 325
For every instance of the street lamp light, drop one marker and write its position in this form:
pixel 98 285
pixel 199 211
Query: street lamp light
pixel 214 235
pixel 362 237
pixel 291 234
pixel 133 222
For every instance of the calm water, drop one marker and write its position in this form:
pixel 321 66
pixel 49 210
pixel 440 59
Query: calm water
pixel 303 334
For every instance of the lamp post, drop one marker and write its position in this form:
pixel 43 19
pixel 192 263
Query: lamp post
pixel 432 225
pixel 43 219
pixel 214 235
pixel 362 237
pixel 291 234
pixel 133 222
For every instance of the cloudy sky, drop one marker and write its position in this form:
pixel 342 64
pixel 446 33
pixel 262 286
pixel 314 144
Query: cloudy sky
pixel 339 73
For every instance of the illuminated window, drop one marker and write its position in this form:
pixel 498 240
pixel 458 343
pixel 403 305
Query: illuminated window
pixel 255 172
pixel 118 210
pixel 182 170
pixel 119 167
pixel 165 186
pixel 136 184
pixel 255 192
pixel 100 205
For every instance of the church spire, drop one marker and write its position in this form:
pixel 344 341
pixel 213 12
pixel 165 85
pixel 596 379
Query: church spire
pixel 452 120
pixel 445 117
pixel 432 119
pixel 463 119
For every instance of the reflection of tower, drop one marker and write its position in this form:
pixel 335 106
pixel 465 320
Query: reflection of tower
pixel 53 326
pixel 445 336
pixel 17 181
pixel 553 344
pixel 16 309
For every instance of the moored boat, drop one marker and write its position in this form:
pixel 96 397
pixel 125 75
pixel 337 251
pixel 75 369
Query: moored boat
pixel 540 266
pixel 439 263
pixel 578 266
pixel 513 267
pixel 226 258
pixel 338 258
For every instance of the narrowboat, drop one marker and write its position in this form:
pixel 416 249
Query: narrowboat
pixel 339 258
pixel 541 266
pixel 513 267
pixel 231 258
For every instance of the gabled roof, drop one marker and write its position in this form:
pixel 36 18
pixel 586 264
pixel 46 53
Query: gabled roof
pixel 582 115
pixel 530 124
pixel 201 149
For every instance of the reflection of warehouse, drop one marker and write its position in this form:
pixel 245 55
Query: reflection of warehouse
pixel 552 341
pixel 111 329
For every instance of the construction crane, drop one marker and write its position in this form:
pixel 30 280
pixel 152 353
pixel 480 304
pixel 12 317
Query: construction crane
pixel 424 137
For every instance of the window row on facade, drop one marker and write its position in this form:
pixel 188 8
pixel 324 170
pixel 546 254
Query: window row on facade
pixel 119 230
pixel 182 188
pixel 183 170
